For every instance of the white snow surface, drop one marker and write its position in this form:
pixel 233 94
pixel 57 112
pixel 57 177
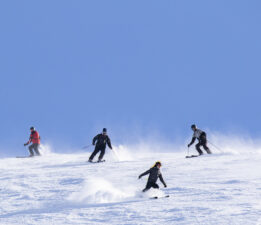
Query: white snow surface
pixel 223 188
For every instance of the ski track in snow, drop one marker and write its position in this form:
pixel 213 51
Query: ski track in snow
pixel 64 189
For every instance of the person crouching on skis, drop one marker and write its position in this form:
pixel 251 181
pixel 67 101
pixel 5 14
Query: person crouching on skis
pixel 154 174
pixel 35 140
pixel 202 140
pixel 101 140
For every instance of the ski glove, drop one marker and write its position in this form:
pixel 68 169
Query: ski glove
pixel 25 144
pixel 188 145
pixel 165 185
pixel 140 177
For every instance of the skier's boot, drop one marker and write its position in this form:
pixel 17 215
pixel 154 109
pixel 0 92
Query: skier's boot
pixel 145 189
pixel 90 160
pixel 37 152
pixel 31 152
pixel 200 152
pixel 208 151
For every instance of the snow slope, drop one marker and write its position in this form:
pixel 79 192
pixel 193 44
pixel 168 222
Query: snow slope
pixel 224 188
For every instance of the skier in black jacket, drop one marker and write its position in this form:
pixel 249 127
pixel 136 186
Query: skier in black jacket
pixel 154 174
pixel 202 140
pixel 100 142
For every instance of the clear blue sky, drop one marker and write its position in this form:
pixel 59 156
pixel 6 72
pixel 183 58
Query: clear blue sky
pixel 70 68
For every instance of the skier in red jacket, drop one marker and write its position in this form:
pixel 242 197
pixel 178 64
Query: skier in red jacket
pixel 35 140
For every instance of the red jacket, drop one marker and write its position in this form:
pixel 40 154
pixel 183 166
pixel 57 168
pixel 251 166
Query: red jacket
pixel 34 137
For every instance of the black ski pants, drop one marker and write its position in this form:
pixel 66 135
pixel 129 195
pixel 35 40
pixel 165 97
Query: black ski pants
pixel 150 185
pixel 34 147
pixel 96 150
pixel 202 142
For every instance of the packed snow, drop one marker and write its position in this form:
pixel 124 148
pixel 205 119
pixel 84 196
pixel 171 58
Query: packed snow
pixel 223 188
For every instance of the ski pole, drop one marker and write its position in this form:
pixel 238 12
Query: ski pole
pixel 215 147
pixel 115 153
pixel 188 152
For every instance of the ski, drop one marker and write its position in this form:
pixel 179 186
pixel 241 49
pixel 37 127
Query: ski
pixel 28 156
pixel 97 161
pixel 191 156
pixel 24 156
pixel 157 197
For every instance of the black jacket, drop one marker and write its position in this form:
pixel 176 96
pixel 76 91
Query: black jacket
pixel 154 175
pixel 101 140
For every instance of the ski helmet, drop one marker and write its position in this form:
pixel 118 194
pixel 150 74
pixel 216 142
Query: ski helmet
pixel 104 130
pixel 193 126
pixel 32 128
